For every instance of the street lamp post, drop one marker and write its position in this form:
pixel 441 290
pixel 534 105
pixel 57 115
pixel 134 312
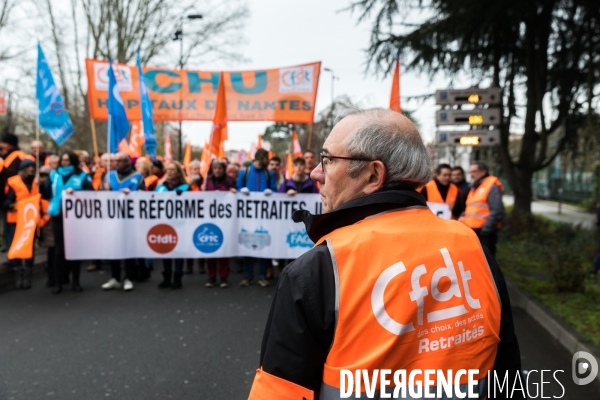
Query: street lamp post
pixel 179 36
pixel 333 78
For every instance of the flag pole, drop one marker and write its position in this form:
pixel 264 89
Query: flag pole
pixel 310 134
pixel 37 138
pixel 108 148
pixel 95 140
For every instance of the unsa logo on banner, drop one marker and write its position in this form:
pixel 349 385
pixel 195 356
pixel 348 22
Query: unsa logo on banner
pixel 162 238
pixel 208 238
pixel 259 239
pixel 296 79
pixel 122 73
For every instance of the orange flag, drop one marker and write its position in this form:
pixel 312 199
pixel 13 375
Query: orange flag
pixel 168 155
pixel 136 139
pixel 28 215
pixel 222 153
pixel 289 167
pixel 395 95
pixel 271 154
pixel 205 159
pixel 124 146
pixel 250 155
pixel 218 134
pixel 187 156
pixel 259 143
pixel 296 149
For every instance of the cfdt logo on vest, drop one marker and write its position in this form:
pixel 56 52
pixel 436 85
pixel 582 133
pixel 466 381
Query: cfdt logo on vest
pixel 208 238
pixel 162 238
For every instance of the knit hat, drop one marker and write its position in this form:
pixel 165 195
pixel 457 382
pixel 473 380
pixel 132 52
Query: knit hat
pixel 26 162
pixel 10 138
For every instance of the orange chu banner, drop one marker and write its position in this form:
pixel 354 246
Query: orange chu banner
pixel 280 95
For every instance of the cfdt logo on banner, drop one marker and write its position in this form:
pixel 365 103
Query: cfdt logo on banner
pixel 296 79
pixel 122 73
pixel 162 238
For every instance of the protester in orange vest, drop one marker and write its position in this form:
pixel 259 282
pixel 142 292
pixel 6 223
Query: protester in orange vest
pixel 194 178
pixel 11 158
pixel 458 178
pixel 441 190
pixel 366 296
pixel 99 176
pixel 150 183
pixel 20 187
pixel 484 211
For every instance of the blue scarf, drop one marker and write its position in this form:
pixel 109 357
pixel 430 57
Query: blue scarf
pixel 65 171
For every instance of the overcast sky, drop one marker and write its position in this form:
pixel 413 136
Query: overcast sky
pixel 283 33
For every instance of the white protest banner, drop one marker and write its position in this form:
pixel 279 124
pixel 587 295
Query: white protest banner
pixel 114 225
pixel 442 210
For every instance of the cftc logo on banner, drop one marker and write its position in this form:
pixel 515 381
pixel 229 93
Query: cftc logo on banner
pixel 122 73
pixel 296 79
pixel 208 238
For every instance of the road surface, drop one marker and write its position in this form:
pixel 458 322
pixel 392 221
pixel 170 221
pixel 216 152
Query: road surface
pixel 195 343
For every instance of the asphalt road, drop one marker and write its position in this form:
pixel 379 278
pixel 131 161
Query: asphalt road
pixel 568 213
pixel 195 343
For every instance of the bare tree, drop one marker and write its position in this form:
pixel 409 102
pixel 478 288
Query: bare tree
pixel 6 6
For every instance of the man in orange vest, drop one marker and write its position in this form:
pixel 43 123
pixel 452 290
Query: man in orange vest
pixel 484 211
pixel 18 188
pixel 441 190
pixel 388 285
pixel 11 158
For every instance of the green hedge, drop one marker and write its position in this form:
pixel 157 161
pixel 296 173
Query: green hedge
pixel 551 262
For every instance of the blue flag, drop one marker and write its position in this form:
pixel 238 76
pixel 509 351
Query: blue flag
pixel 118 124
pixel 147 114
pixel 53 116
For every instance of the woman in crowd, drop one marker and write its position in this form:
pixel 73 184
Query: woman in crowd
pixel 68 177
pixel 144 167
pixel 174 181
pixel 217 180
pixel 195 181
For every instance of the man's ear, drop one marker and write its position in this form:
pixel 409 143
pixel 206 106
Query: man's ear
pixel 376 175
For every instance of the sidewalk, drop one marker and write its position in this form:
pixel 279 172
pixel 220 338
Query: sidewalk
pixel 549 209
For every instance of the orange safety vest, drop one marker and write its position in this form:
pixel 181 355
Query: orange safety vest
pixel 97 179
pixel 12 157
pixel 477 209
pixel 434 195
pixel 21 193
pixel 150 180
pixel 45 217
pixel 413 291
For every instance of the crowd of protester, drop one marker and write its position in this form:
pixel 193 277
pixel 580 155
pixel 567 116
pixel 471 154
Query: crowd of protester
pixel 76 170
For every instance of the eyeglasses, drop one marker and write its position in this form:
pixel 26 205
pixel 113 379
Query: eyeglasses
pixel 326 159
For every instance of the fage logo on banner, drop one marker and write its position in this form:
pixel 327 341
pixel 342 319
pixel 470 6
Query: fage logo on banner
pixel 162 238
pixel 208 238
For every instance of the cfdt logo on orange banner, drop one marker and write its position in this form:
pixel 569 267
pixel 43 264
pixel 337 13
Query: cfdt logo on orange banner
pixel 162 238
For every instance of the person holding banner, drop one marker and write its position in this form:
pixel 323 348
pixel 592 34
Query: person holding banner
pixel 68 178
pixel 440 190
pixel 20 187
pixel 256 178
pixel 151 181
pixel 123 179
pixel 218 181
pixel 195 178
pixel 174 181
pixel 275 166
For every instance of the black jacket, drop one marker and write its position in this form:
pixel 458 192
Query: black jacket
pixel 301 323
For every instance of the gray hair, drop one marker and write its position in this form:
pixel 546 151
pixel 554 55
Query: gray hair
pixel 397 145
pixel 195 162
